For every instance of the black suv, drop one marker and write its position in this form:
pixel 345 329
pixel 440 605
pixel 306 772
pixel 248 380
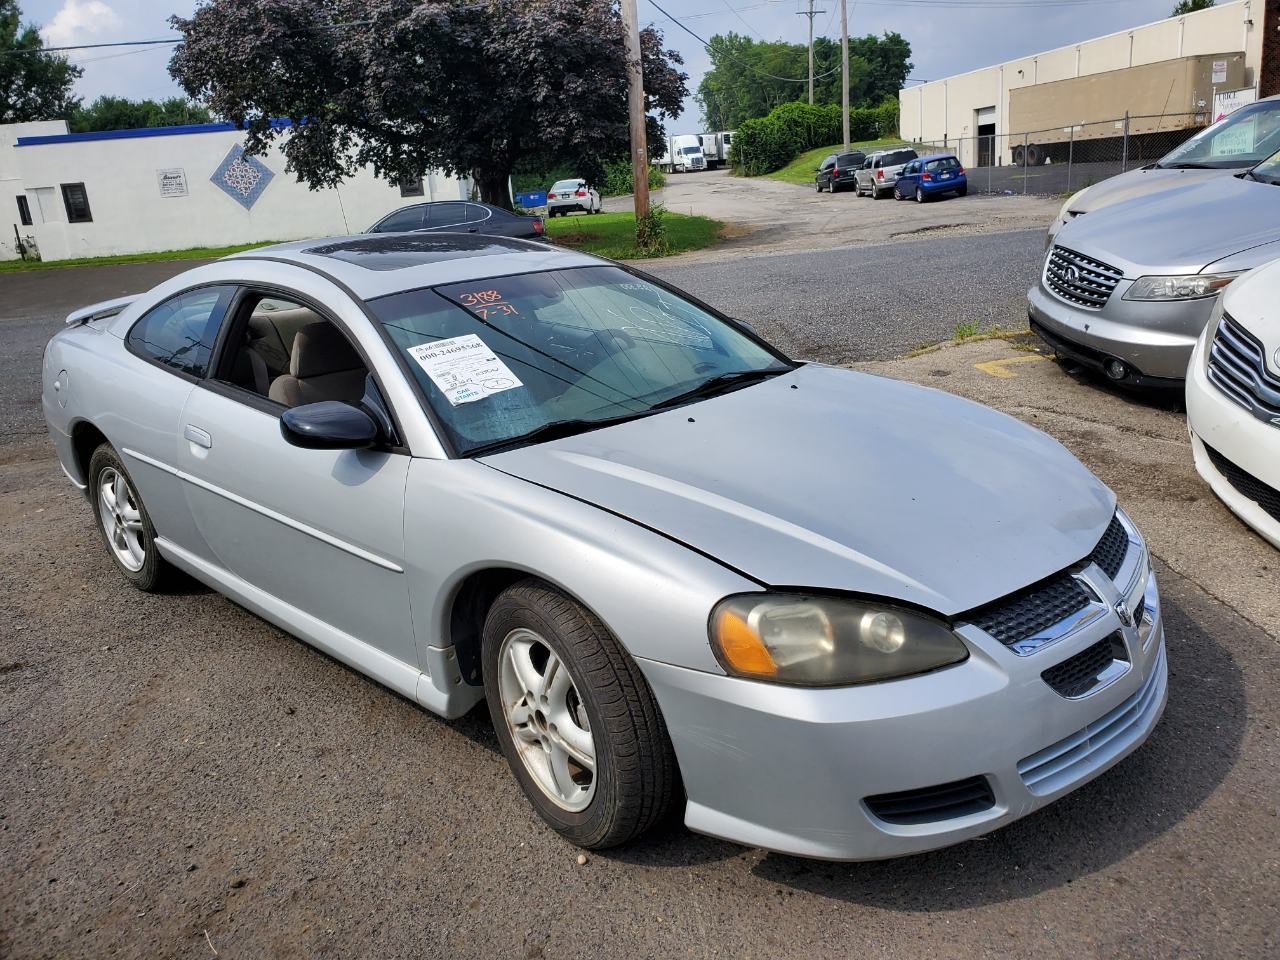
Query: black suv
pixel 836 171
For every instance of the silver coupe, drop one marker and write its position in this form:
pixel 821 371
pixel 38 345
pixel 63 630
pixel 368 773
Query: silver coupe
pixel 816 610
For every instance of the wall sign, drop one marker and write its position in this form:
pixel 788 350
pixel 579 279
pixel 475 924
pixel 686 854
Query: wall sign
pixel 241 177
pixel 1219 71
pixel 173 182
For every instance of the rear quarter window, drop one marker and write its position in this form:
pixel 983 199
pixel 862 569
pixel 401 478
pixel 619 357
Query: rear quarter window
pixel 179 333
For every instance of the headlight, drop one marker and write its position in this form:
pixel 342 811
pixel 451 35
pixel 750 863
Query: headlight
pixel 1179 288
pixel 1066 207
pixel 820 641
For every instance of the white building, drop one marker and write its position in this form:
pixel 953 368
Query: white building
pixel 960 109
pixel 173 188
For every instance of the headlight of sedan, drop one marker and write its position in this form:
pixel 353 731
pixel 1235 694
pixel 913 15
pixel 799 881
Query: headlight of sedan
pixel 1179 288
pixel 1066 207
pixel 822 641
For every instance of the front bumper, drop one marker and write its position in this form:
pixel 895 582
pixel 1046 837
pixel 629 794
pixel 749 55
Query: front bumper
pixel 1155 339
pixel 791 769
pixel 1241 438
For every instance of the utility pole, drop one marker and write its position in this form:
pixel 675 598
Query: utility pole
pixel 810 13
pixel 635 108
pixel 844 71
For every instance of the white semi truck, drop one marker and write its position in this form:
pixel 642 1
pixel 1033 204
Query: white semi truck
pixel 683 154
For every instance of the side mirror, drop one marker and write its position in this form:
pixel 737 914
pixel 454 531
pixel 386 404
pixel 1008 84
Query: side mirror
pixel 329 425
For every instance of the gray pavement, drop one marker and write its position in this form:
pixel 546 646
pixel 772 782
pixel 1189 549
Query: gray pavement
pixel 179 778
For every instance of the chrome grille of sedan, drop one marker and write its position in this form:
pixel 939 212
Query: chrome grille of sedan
pixel 1238 367
pixel 1079 279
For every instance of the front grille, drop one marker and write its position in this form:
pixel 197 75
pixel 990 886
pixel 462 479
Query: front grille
pixel 1082 753
pixel 1079 279
pixel 1237 367
pixel 945 801
pixel 1077 675
pixel 1246 484
pixel 1111 550
pixel 1027 612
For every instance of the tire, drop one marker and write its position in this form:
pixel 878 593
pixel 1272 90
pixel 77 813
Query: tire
pixel 875 193
pixel 607 705
pixel 1018 157
pixel 124 524
pixel 920 197
pixel 818 185
pixel 1034 155
pixel 963 191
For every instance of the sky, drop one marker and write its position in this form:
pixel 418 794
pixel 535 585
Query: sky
pixel 949 37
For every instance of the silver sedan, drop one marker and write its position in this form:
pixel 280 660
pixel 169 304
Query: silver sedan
pixel 818 611
pixel 1128 289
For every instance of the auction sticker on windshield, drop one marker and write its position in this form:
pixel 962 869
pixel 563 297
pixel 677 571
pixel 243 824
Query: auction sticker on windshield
pixel 464 368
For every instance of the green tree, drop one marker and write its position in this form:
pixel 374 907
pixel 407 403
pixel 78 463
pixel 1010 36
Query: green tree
pixel 1190 6
pixel 748 78
pixel 121 113
pixel 470 87
pixel 34 84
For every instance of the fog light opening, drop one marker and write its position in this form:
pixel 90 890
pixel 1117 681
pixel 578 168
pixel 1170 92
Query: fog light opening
pixel 1115 369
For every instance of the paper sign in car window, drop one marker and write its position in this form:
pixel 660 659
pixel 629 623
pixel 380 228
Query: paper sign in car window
pixel 464 368
pixel 1236 140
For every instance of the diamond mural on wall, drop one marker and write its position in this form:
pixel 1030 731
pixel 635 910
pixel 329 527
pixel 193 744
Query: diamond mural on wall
pixel 241 177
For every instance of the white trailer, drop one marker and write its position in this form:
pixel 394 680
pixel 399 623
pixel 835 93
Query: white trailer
pixel 715 147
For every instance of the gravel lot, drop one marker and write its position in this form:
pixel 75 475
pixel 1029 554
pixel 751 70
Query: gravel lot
pixel 178 777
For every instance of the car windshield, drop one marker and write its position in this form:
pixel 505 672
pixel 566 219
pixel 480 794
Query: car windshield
pixel 692 149
pixel 1239 140
pixel 897 157
pixel 512 359
pixel 942 165
pixel 567 185
pixel 848 159
pixel 1268 171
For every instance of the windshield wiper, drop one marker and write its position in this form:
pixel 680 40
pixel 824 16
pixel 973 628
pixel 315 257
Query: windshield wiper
pixel 719 384
pixel 1186 165
pixel 554 430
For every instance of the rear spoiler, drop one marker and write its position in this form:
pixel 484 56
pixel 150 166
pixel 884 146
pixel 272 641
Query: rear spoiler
pixel 99 311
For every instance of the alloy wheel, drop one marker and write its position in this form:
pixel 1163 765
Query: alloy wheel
pixel 121 519
pixel 547 719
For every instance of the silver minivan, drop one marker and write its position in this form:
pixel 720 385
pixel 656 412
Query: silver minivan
pixel 880 172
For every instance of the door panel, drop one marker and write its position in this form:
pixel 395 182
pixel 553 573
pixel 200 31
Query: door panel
pixel 321 530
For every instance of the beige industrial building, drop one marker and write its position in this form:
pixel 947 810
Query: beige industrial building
pixel 1169 71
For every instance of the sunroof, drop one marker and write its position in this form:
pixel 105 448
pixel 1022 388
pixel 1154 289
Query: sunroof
pixel 397 251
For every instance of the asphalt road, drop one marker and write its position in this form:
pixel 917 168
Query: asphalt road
pixel 179 779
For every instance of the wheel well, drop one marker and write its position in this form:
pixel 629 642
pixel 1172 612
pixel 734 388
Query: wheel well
pixel 85 438
pixel 467 614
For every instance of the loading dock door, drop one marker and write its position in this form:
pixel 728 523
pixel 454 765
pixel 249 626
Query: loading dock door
pixel 985 123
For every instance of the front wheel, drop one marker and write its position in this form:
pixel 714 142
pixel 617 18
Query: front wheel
pixel 575 719
pixel 124 523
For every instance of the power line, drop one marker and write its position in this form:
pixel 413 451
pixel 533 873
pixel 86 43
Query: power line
pixel 750 66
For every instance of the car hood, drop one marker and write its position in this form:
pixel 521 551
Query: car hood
pixel 1251 302
pixel 827 478
pixel 1139 183
pixel 1178 231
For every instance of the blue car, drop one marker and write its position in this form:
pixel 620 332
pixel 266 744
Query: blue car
pixel 926 177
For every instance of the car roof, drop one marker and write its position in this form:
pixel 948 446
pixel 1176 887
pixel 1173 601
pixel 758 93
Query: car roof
pixel 379 264
pixel 938 156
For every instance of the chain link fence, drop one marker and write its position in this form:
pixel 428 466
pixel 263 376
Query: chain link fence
pixel 1063 160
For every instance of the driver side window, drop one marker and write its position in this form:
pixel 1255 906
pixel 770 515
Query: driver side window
pixel 285 352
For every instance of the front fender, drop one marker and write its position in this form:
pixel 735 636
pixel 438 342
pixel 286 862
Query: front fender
pixel 654 594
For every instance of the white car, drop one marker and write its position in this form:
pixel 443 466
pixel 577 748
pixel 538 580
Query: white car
pixel 1233 400
pixel 566 196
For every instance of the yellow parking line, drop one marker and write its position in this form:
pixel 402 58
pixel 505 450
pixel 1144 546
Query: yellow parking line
pixel 1000 368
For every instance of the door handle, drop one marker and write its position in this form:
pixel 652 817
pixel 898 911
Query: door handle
pixel 197 436
pixel 473 230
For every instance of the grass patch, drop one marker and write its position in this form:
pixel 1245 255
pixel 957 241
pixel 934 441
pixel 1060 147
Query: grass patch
pixel 194 253
pixel 966 330
pixel 1020 338
pixel 613 235
pixel 801 169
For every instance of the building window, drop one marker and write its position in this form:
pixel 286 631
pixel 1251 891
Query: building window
pixel 411 188
pixel 77 203
pixel 24 211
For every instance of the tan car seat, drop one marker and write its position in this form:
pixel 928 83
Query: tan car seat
pixel 322 366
